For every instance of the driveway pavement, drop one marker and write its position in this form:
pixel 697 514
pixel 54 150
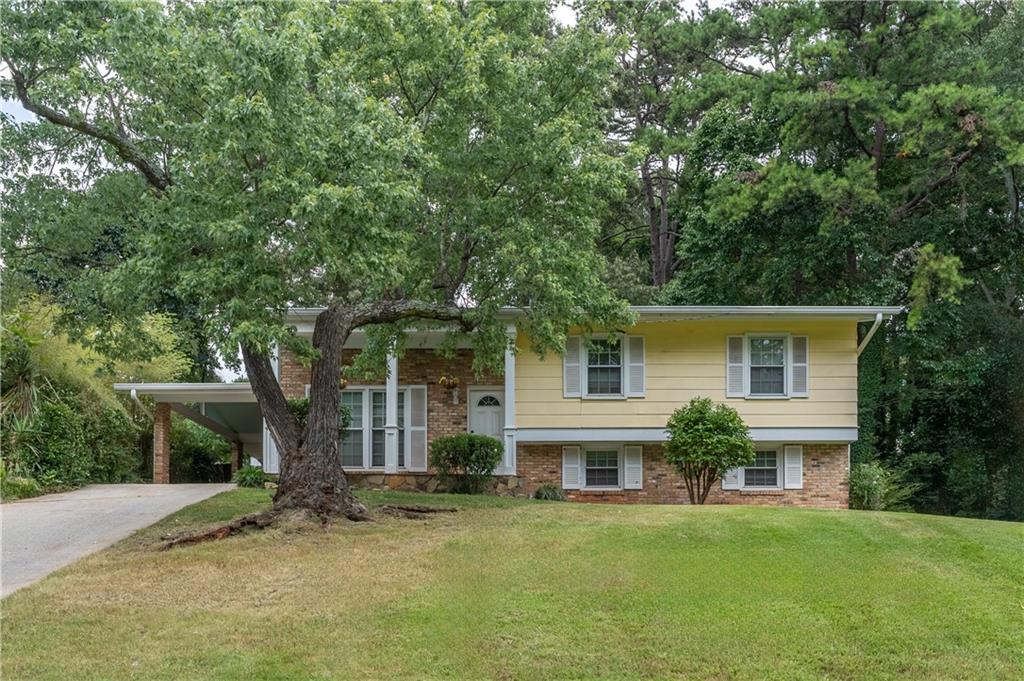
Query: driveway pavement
pixel 42 534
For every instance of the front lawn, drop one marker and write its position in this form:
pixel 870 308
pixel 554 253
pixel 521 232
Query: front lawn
pixel 508 589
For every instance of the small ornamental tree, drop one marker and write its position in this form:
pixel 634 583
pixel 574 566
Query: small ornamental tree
pixel 705 440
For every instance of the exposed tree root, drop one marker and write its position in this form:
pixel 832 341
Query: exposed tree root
pixel 257 520
pixel 414 512
pixel 267 518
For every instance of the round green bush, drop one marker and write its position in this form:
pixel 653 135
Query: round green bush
pixel 465 462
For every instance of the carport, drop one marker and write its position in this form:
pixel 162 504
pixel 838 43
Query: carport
pixel 228 409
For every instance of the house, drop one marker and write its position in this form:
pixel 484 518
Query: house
pixel 592 420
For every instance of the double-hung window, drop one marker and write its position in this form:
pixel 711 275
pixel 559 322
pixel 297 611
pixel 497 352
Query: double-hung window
pixel 601 468
pixel 604 367
pixel 352 437
pixel 767 365
pixel 764 472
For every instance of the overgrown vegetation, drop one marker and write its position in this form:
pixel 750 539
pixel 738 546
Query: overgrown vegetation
pixel 62 424
pixel 874 486
pixel 465 462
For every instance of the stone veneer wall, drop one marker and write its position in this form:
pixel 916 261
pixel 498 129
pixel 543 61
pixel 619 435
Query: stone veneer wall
pixel 417 367
pixel 826 480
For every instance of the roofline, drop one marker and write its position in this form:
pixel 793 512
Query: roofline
pixel 858 312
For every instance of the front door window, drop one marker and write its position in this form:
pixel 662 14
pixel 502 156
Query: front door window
pixel 486 416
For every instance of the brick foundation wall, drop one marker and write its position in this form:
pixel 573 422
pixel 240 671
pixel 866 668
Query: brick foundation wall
pixel 826 480
pixel 416 367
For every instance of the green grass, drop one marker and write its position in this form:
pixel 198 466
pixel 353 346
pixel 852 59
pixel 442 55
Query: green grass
pixel 508 589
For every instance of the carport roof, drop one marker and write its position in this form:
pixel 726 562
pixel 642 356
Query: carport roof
pixel 191 392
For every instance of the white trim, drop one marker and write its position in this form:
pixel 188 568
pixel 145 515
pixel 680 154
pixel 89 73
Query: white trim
pixel 508 466
pixel 306 316
pixel 391 415
pixel 774 435
pixel 191 392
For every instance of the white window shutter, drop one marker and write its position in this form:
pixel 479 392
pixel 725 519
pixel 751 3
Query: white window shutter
pixel 634 467
pixel 731 479
pixel 416 425
pixel 571 467
pixel 798 366
pixel 635 370
pixel 734 367
pixel 571 367
pixel 794 467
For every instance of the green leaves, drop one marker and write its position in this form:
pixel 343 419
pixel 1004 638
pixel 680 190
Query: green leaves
pixel 703 433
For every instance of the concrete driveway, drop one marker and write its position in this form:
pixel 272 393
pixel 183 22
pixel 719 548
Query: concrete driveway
pixel 48 532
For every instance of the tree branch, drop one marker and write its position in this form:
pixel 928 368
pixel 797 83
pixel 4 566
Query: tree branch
pixel 125 148
pixel 958 161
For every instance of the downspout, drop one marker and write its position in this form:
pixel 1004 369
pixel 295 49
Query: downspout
pixel 871 332
pixel 135 398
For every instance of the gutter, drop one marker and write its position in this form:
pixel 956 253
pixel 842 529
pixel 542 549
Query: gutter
pixel 871 332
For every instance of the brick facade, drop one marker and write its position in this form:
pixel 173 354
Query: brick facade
pixel 826 480
pixel 446 415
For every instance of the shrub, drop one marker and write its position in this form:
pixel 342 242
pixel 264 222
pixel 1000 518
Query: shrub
pixel 196 453
pixel 464 462
pixel 877 487
pixel 249 476
pixel 549 493
pixel 705 440
pixel 12 488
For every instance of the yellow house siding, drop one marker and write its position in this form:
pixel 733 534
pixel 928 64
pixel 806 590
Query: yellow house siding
pixel 686 359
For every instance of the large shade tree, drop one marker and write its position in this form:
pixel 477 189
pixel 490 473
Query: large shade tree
pixel 391 163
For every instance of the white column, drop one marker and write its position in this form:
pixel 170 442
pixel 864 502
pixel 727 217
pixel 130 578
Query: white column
pixel 391 417
pixel 508 463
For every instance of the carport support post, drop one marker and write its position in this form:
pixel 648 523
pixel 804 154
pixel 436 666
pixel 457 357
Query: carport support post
pixel 162 443
pixel 236 456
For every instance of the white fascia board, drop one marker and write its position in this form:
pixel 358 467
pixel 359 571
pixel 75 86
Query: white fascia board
pixel 191 392
pixel 304 317
pixel 796 435
pixel 679 312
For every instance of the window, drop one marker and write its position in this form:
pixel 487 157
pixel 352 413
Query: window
pixel 488 401
pixel 604 367
pixel 765 470
pixel 352 437
pixel 767 365
pixel 362 444
pixel 602 468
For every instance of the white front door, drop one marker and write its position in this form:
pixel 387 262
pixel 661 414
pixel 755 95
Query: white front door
pixel 486 413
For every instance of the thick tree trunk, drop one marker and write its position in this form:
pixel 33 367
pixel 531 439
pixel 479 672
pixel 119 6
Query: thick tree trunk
pixel 311 477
